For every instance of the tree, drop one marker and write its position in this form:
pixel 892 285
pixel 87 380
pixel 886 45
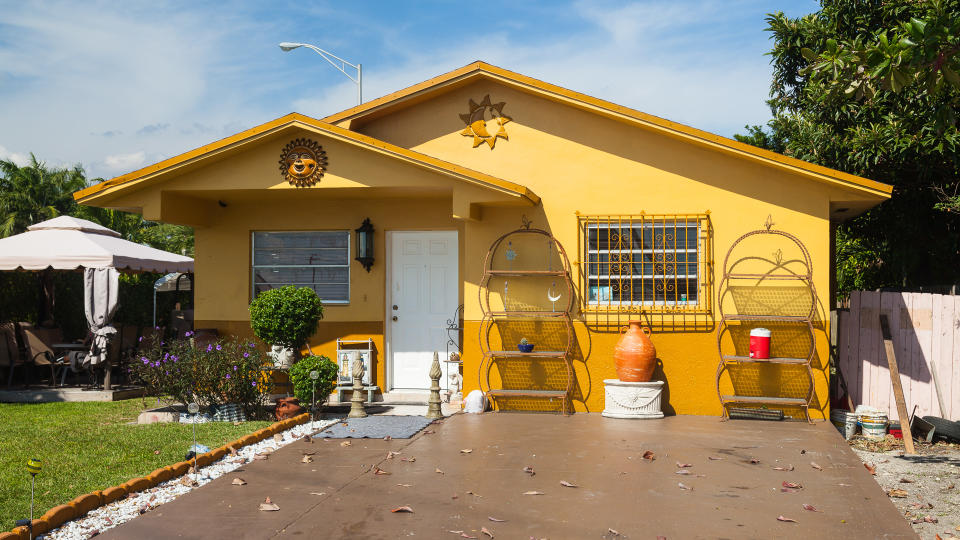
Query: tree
pixel 34 193
pixel 890 127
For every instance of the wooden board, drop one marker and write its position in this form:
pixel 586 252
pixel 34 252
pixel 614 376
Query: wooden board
pixel 895 382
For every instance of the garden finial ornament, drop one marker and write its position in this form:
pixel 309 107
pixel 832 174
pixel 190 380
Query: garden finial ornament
pixel 356 399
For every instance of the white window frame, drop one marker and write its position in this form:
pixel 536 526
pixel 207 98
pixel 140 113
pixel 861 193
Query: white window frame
pixel 254 267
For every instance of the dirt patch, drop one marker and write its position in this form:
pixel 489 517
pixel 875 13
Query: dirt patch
pixel 924 487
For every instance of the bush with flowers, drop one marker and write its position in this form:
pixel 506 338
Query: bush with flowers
pixel 224 371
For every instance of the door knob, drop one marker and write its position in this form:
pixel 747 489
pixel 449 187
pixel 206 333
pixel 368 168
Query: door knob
pixel 395 307
pixel 395 317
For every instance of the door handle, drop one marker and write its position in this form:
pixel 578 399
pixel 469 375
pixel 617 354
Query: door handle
pixel 395 318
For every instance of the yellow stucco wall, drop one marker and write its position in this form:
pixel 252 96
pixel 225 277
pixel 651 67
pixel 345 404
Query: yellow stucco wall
pixel 578 161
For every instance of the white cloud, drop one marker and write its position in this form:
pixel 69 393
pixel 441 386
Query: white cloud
pixel 124 162
pixel 19 159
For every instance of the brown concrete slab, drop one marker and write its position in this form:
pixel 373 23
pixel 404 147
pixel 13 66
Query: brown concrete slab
pixel 617 488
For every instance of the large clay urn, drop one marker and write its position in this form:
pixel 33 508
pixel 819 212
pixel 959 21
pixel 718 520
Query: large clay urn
pixel 635 354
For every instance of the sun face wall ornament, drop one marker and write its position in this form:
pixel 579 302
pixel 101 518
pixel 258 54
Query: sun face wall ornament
pixel 477 122
pixel 303 162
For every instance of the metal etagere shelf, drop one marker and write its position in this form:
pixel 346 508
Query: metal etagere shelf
pixel 542 373
pixel 758 303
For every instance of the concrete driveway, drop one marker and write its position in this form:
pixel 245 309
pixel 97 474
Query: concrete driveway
pixel 740 495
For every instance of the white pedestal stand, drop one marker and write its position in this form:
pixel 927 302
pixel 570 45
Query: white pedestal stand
pixel 632 399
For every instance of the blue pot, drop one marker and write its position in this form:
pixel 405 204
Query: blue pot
pixel 525 348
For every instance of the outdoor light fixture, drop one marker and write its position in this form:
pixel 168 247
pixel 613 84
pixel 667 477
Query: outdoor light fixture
pixel 365 244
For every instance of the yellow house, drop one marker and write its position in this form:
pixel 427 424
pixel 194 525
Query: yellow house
pixel 444 168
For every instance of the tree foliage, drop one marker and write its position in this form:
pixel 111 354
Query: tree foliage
pixel 867 87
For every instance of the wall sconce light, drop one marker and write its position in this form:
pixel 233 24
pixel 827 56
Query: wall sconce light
pixel 365 244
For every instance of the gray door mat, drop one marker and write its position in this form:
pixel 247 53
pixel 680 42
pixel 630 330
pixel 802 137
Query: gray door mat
pixel 376 427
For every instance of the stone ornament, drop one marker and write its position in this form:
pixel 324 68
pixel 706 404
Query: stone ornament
pixel 303 162
pixel 476 121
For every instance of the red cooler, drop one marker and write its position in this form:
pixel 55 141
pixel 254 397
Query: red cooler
pixel 760 343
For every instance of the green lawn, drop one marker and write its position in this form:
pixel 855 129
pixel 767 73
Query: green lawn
pixel 88 446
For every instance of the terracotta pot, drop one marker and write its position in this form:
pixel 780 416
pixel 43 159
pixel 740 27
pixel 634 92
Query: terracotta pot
pixel 288 408
pixel 635 354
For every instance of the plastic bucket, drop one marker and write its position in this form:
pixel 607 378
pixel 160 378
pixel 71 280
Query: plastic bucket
pixel 873 426
pixel 760 343
pixel 845 422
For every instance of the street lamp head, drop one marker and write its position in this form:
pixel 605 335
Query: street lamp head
pixel 287 46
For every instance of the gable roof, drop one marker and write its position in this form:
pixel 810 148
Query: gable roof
pixel 472 72
pixel 299 120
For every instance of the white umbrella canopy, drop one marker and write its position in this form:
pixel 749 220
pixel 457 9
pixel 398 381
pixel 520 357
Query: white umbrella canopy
pixel 68 243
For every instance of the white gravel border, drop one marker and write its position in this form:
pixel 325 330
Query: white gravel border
pixel 121 511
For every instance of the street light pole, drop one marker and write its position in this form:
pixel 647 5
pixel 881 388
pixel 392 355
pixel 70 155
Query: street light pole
pixel 334 61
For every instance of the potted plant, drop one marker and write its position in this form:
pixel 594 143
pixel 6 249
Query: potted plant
pixel 525 346
pixel 306 389
pixel 285 318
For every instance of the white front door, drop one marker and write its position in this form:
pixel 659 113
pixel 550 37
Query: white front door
pixel 423 293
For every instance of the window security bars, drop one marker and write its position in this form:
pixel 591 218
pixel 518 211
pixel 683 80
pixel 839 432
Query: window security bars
pixel 316 259
pixel 645 263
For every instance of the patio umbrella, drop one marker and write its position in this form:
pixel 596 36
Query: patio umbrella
pixel 69 243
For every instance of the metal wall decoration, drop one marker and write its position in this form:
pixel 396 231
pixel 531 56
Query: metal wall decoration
pixel 303 162
pixel 476 121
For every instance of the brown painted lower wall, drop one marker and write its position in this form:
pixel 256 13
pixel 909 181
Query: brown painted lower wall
pixel 324 342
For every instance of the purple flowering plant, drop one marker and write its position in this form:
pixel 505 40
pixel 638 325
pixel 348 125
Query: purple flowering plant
pixel 226 371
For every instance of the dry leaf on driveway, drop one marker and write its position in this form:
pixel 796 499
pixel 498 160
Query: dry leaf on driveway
pixel 495 520
pixel 378 470
pixel 898 493
pixel 613 531
pixel 466 450
pixel 306 459
pixel 438 471
pixel 533 493
pixel 564 483
pixel 408 460
pixel 683 465
pixel 239 482
pixel 405 485
pixel 754 461
pixel 816 466
pixel 391 454
pixel 486 531
pixel 529 470
pixel 792 485
pixel 810 507
pixel 683 471
pixel 268 506
pixel 781 518
pixel 402 510
pixel 714 458
pixel 788 468
pixel 649 456
pixel 681 485
pixel 346 443
pixel 870 468
pixel 320 493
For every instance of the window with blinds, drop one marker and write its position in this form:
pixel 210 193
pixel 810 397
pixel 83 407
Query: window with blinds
pixel 644 262
pixel 316 259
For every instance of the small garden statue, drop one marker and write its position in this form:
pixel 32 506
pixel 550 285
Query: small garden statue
pixel 356 401
pixel 433 404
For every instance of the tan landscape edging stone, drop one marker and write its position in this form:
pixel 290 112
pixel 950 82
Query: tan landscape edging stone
pixel 81 505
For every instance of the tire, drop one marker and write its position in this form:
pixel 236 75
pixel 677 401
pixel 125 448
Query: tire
pixel 943 428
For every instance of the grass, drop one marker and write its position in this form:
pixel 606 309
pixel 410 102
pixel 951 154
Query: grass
pixel 88 446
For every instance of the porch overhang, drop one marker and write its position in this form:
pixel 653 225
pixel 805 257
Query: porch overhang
pixel 188 188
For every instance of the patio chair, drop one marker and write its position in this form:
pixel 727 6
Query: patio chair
pixel 39 352
pixel 10 356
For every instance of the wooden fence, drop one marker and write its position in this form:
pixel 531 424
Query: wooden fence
pixel 926 337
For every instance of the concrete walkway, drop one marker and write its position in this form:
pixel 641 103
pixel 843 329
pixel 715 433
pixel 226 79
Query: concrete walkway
pixel 339 496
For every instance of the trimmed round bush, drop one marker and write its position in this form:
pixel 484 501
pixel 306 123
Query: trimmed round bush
pixel 286 316
pixel 303 384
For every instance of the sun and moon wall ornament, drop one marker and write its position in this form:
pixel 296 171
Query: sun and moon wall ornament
pixel 303 162
pixel 476 121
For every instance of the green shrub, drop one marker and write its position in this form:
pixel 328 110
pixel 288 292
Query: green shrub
pixel 303 384
pixel 286 316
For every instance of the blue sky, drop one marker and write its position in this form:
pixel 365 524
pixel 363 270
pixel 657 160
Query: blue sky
pixel 120 85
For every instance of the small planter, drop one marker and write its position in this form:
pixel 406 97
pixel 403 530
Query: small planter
pixel 525 347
